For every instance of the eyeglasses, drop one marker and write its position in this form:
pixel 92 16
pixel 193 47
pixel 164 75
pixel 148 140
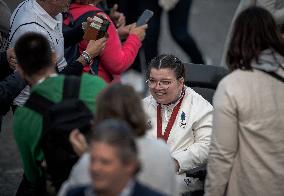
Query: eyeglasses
pixel 163 83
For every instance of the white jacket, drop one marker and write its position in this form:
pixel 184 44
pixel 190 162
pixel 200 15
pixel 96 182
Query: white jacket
pixel 190 136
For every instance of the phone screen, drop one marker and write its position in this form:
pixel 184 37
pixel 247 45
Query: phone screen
pixel 144 18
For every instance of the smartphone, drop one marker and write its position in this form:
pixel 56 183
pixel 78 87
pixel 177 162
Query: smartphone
pixel 144 18
pixel 97 29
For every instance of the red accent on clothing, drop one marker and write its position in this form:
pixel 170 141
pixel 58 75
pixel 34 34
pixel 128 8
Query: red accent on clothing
pixel 170 124
pixel 116 57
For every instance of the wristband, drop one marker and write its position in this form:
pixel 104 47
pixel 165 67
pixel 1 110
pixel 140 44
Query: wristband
pixel 86 57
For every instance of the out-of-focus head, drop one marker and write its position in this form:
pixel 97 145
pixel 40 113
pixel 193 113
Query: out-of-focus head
pixel 114 159
pixel 54 7
pixel 165 78
pixel 120 101
pixel 254 31
pixel 33 53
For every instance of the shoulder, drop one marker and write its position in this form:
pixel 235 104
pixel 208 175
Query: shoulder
pixel 91 78
pixel 140 189
pixel 233 87
pixel 93 81
pixel 196 100
pixel 23 13
pixel 149 105
pixel 27 26
pixel 90 87
pixel 78 10
pixel 237 81
pixel 149 101
pixel 51 88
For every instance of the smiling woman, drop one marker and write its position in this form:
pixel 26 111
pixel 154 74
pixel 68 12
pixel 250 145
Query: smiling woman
pixel 178 115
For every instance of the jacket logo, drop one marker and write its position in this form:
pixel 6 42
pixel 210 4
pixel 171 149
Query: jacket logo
pixel 182 120
pixel 149 125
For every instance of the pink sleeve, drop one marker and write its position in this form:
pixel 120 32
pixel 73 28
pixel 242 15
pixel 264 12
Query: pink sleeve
pixel 116 58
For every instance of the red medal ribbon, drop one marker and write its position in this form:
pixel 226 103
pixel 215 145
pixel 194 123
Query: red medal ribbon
pixel 170 124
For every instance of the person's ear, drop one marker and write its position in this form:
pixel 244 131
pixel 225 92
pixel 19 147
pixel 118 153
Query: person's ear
pixel 131 167
pixel 21 72
pixel 181 80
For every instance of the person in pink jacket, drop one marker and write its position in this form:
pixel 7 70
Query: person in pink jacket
pixel 117 57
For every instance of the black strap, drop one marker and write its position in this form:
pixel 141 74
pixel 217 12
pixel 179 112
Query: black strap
pixel 274 75
pixel 82 18
pixel 71 87
pixel 38 103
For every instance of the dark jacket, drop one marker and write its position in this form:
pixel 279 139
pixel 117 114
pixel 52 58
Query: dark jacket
pixel 139 190
pixel 5 70
pixel 11 84
pixel 10 87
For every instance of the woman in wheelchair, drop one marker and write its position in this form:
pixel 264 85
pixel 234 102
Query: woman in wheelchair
pixel 179 116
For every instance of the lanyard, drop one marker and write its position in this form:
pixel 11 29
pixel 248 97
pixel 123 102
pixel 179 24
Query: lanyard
pixel 170 124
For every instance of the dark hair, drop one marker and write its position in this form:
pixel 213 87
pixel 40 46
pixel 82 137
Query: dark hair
pixel 254 31
pixel 167 61
pixel 281 27
pixel 33 53
pixel 121 102
pixel 118 134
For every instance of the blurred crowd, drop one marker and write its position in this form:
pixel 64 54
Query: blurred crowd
pixel 81 131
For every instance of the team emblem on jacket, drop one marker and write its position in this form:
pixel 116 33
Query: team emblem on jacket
pixel 182 120
pixel 149 125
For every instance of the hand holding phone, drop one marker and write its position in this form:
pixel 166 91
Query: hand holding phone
pixel 140 32
pixel 144 18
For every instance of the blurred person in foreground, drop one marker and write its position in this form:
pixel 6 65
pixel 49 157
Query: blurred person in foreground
pixel 37 65
pixel 121 102
pixel 114 163
pixel 247 151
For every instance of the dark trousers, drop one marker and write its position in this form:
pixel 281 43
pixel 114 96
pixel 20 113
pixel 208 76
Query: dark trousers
pixel 178 23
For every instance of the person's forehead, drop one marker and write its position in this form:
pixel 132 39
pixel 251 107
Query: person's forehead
pixel 103 147
pixel 163 73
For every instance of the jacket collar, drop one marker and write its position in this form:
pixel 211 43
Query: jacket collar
pixel 45 17
pixel 269 61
